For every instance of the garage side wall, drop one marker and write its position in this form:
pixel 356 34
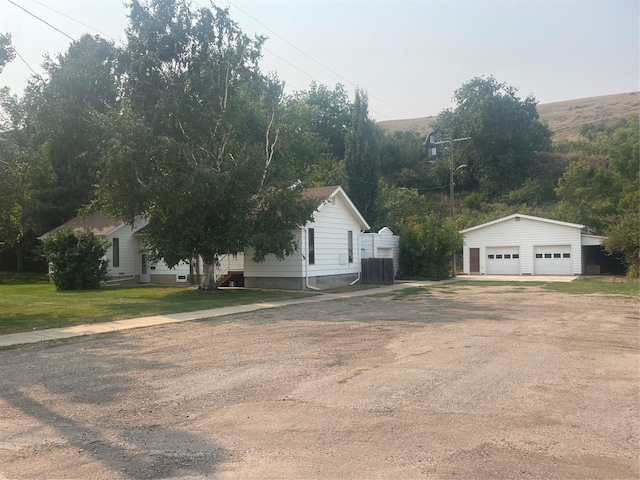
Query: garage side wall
pixel 526 234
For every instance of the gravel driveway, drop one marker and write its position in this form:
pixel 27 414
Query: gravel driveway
pixel 456 382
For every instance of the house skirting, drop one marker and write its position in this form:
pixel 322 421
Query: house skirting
pixel 298 283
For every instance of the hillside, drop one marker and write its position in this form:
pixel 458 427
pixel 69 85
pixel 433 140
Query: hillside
pixel 564 118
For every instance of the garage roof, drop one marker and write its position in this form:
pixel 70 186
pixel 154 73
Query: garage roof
pixel 528 217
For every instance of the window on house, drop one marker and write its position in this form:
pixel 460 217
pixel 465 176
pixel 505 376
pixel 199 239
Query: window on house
pixel 350 247
pixel 499 256
pixel 490 256
pixel 312 247
pixel 116 252
pixel 556 255
pixel 507 255
pixel 538 255
pixel 515 255
pixel 547 255
pixel 566 255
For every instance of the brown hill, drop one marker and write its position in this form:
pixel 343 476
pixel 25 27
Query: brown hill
pixel 564 118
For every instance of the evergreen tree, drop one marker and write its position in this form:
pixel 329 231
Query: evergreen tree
pixel 363 158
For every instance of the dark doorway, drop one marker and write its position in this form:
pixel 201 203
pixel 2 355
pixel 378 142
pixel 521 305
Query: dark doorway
pixel 474 259
pixel 598 262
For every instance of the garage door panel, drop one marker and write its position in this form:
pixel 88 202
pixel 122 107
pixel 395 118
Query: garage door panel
pixel 552 260
pixel 503 261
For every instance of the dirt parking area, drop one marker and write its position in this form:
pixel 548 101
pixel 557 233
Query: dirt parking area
pixel 455 382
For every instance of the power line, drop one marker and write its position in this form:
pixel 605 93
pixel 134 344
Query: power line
pixel 74 20
pixel 43 21
pixel 312 58
pixel 25 62
pixel 266 49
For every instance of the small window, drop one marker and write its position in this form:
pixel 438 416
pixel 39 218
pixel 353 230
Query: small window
pixel 350 245
pixel 312 247
pixel 556 255
pixel 491 257
pixel 499 256
pixel 507 256
pixel 547 255
pixel 538 255
pixel 566 255
pixel 515 255
pixel 116 252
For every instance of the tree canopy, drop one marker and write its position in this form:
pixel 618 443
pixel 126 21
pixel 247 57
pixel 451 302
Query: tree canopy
pixel 180 125
pixel 194 140
pixel 505 132
pixel 362 157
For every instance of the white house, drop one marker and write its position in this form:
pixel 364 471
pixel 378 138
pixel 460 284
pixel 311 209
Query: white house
pixel 128 260
pixel 526 245
pixel 383 244
pixel 328 253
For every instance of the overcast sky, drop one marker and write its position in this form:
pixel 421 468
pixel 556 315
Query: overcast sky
pixel 410 56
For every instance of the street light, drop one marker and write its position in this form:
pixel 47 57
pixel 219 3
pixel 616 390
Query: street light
pixel 430 146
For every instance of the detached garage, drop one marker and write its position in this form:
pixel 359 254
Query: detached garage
pixel 525 245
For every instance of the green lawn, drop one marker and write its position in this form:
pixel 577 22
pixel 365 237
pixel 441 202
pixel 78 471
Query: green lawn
pixel 592 285
pixel 29 302
pixel 588 285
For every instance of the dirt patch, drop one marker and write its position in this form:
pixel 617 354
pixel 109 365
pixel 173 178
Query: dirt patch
pixel 474 382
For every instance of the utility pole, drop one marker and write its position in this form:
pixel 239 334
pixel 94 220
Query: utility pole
pixel 430 146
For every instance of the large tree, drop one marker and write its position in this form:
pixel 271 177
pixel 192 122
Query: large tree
pixel 64 121
pixel 332 117
pixel 7 53
pixel 506 134
pixel 193 147
pixel 602 189
pixel 19 174
pixel 362 157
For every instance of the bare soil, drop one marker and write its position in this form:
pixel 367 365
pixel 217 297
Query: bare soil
pixel 458 382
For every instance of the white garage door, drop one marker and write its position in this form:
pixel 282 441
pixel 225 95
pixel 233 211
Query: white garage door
pixel 503 261
pixel 552 260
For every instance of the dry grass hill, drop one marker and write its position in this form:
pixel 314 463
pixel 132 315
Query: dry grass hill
pixel 564 118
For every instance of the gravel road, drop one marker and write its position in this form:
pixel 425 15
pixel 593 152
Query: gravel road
pixel 455 382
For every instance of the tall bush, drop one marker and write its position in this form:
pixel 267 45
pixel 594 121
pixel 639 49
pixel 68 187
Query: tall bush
pixel 77 259
pixel 426 249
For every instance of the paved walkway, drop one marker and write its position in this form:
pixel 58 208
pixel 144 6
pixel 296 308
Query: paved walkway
pixel 104 327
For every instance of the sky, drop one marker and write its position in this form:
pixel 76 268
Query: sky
pixel 409 56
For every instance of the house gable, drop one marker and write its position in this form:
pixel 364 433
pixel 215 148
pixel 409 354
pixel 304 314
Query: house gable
pixel 333 261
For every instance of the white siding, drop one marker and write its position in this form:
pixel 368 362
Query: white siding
pixel 128 250
pixel 272 267
pixel 331 224
pixel 524 233
pixel 130 257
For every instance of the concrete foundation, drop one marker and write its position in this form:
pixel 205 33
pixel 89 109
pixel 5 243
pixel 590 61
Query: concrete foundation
pixel 298 283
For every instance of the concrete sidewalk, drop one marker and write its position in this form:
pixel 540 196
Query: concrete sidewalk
pixel 104 327
pixel 116 325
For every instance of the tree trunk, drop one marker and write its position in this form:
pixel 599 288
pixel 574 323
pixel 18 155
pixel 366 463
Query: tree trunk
pixel 209 280
pixel 198 276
